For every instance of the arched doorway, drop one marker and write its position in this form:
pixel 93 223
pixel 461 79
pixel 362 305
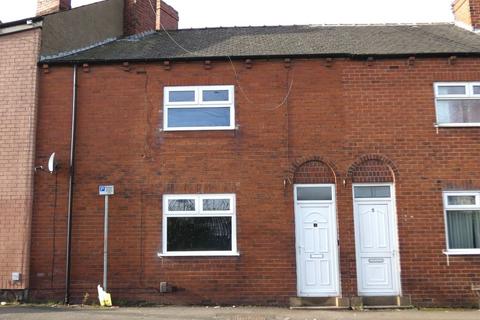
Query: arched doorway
pixel 376 234
pixel 316 229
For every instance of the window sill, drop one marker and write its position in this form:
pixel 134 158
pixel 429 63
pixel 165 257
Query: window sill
pixel 456 125
pixel 467 252
pixel 199 129
pixel 199 134
pixel 199 254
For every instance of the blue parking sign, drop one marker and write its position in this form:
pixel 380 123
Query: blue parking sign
pixel 105 190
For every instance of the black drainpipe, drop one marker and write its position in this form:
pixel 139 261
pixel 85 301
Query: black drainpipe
pixel 70 187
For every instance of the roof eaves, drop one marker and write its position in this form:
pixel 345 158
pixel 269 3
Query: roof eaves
pixel 20 26
pixel 280 56
pixel 20 22
pixel 188 58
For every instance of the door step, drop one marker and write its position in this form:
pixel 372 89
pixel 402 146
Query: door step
pixel 326 303
pixel 386 307
pixel 341 303
pixel 387 302
pixel 320 308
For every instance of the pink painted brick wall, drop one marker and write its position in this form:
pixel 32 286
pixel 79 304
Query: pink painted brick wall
pixel 18 99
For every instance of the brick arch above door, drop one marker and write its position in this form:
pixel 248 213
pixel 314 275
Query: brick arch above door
pixel 372 168
pixel 312 170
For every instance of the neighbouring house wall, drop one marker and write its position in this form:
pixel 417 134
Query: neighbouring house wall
pixel 18 98
pixel 82 27
pixel 85 26
pixel 467 12
pixel 336 113
pixel 45 7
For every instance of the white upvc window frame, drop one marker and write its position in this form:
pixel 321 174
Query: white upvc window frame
pixel 314 185
pixel 447 207
pixel 469 95
pixel 199 212
pixel 380 184
pixel 199 103
pixel 167 91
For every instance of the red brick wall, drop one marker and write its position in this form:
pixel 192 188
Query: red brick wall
pixel 372 171
pixel 50 6
pixel 314 172
pixel 374 116
pixel 18 98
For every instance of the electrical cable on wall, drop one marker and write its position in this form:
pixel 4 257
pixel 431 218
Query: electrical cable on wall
pixel 284 100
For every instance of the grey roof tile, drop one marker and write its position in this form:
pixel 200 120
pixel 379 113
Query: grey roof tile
pixel 342 40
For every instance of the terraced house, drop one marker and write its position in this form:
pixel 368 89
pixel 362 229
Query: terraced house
pixel 56 30
pixel 328 165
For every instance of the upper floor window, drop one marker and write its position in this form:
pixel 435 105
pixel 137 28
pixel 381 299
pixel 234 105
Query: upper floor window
pixel 199 108
pixel 462 219
pixel 458 103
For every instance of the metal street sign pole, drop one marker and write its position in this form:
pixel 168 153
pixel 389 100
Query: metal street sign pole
pixel 105 246
pixel 105 191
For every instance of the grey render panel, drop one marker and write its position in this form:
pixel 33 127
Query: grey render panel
pixel 81 27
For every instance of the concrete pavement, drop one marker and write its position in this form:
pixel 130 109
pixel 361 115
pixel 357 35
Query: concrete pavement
pixel 22 312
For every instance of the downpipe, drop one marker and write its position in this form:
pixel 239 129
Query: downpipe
pixel 70 187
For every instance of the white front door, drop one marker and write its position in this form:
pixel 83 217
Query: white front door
pixel 316 241
pixel 378 267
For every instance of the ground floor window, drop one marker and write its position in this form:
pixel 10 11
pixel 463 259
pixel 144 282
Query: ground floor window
pixel 202 224
pixel 462 219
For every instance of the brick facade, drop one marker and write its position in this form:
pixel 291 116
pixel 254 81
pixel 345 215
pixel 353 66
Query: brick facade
pixel 19 54
pixel 372 171
pixel 314 171
pixel 343 122
pixel 18 95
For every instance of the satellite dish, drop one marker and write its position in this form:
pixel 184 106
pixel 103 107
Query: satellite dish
pixel 52 163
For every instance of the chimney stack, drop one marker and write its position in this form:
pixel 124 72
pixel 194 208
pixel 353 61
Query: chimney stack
pixel 145 15
pixel 167 17
pixel 467 13
pixel 51 6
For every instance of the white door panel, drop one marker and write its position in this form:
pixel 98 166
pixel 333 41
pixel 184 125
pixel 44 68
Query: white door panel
pixel 374 227
pixel 377 275
pixel 378 271
pixel 317 257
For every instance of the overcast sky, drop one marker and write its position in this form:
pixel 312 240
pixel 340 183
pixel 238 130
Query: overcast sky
pixel 211 13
